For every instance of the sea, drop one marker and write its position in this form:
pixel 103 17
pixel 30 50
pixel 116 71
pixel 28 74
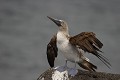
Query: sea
pixel 25 32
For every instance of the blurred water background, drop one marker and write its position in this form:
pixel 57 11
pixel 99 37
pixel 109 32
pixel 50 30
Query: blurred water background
pixel 25 31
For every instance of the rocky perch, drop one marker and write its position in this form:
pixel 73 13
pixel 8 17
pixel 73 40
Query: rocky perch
pixel 69 74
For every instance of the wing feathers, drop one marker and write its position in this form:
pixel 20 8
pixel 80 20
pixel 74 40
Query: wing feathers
pixel 87 65
pixel 52 51
pixel 94 40
pixel 104 60
pixel 89 43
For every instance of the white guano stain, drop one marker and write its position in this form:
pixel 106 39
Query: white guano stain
pixel 62 73
pixel 42 78
pixel 57 75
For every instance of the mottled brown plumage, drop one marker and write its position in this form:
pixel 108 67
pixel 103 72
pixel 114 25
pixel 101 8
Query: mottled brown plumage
pixel 89 43
pixel 52 51
pixel 86 40
pixel 87 65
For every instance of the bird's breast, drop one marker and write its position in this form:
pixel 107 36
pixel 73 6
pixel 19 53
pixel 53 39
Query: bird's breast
pixel 62 41
pixel 69 51
pixel 63 45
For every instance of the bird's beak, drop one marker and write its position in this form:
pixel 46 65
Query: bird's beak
pixel 57 22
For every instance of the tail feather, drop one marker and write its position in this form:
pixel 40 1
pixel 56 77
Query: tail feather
pixel 87 65
pixel 103 59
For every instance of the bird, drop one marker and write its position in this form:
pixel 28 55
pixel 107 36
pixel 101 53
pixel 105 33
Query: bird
pixel 73 48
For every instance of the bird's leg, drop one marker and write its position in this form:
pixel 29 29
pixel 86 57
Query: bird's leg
pixel 65 66
pixel 66 63
pixel 75 65
pixel 73 71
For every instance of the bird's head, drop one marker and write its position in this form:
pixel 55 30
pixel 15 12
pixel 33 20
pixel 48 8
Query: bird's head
pixel 60 23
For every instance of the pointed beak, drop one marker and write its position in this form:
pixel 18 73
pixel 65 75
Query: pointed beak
pixel 57 22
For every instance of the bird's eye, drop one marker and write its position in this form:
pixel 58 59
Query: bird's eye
pixel 61 20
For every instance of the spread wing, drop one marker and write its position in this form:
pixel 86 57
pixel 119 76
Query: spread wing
pixel 52 51
pixel 89 43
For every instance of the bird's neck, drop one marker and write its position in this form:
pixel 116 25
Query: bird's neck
pixel 62 36
pixel 63 32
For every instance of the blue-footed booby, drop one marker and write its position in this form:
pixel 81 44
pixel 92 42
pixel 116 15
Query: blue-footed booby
pixel 74 47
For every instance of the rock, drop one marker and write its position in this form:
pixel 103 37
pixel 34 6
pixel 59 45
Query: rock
pixel 59 74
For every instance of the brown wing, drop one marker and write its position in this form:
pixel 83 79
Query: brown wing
pixel 52 51
pixel 89 43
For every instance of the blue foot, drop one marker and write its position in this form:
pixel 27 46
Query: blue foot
pixel 72 71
